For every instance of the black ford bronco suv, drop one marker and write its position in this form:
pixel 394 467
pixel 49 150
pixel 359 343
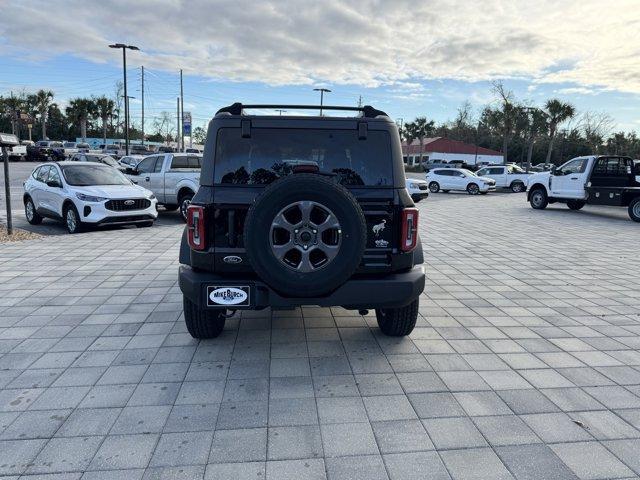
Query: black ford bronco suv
pixel 301 210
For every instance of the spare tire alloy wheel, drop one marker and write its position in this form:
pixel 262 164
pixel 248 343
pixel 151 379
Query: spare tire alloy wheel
pixel 305 235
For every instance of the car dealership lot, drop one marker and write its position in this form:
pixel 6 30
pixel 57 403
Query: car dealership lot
pixel 524 363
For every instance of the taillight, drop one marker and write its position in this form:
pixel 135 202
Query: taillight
pixel 195 227
pixel 409 234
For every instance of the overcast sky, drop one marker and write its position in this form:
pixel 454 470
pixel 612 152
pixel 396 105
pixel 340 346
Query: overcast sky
pixel 408 57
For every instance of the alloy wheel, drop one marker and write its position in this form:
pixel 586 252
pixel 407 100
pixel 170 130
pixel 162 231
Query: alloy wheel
pixel 305 236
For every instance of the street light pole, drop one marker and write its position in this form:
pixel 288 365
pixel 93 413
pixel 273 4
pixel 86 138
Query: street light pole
pixel 126 106
pixel 322 91
pixel 281 111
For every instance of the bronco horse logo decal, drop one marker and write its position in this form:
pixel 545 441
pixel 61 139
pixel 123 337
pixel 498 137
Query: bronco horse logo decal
pixel 377 229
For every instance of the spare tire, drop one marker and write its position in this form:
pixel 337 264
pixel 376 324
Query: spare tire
pixel 305 235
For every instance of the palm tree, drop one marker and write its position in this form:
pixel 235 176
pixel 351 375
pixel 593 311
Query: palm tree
pixel 421 130
pixel 81 110
pixel 42 101
pixel 105 110
pixel 556 112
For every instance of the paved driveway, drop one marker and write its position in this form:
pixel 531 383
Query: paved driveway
pixel 525 363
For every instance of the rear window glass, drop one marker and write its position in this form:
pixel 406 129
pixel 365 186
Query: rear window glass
pixel 186 161
pixel 273 153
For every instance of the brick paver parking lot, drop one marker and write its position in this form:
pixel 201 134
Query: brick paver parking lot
pixel 525 362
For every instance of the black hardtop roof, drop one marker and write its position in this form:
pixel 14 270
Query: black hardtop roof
pixel 238 108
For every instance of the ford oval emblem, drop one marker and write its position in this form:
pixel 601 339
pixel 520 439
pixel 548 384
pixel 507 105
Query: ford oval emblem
pixel 129 202
pixel 233 259
pixel 228 296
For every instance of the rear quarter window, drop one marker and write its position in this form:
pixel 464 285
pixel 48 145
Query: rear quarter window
pixel 270 154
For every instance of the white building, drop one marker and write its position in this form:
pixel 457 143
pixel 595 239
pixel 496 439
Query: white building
pixel 447 150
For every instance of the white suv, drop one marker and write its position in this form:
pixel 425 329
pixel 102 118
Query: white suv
pixel 86 194
pixel 447 179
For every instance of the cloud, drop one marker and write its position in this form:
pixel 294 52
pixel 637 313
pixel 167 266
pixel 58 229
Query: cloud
pixel 362 42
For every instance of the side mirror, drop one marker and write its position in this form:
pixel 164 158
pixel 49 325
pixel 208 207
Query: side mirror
pixel 553 170
pixel 53 184
pixel 131 171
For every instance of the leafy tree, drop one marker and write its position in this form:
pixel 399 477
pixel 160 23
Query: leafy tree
pixel 504 118
pixel 557 112
pixel 536 127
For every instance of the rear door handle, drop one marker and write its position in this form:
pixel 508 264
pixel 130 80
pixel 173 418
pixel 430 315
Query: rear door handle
pixel 147 178
pixel 574 178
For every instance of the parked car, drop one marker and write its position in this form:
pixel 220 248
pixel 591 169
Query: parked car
pixel 18 152
pixel 45 150
pixel 447 179
pixel 192 150
pixel 139 150
pixel 509 176
pixel 86 194
pixel 418 189
pixel 428 166
pixel 97 158
pixel 595 180
pixel 288 213
pixel 113 149
pixel 130 161
pixel 172 177
pixel 165 149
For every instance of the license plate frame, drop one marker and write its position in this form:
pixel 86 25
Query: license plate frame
pixel 228 296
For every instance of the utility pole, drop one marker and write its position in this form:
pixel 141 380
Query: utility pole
pixel 142 104
pixel 322 91
pixel 359 101
pixel 178 122
pixel 280 111
pixel 126 106
pixel 182 112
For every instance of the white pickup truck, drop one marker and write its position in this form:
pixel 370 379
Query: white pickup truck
pixel 595 180
pixel 506 176
pixel 173 178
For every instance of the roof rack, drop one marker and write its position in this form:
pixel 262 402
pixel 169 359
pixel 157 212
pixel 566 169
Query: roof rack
pixel 367 111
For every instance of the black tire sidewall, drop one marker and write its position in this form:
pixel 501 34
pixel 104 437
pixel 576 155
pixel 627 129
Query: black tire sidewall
pixel 544 202
pixel 435 188
pixel 470 189
pixel 258 228
pixel 36 218
pixel 181 200
pixel 631 205
pixel 64 219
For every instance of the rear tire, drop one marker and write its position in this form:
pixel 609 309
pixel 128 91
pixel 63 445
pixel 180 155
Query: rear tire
pixel 398 322
pixel 634 209
pixel 30 212
pixel 434 187
pixel 170 208
pixel 575 204
pixel 183 202
pixel 518 187
pixel 539 199
pixel 203 324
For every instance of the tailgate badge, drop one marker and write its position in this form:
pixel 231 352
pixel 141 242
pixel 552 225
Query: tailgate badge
pixel 233 259
pixel 377 229
pixel 381 243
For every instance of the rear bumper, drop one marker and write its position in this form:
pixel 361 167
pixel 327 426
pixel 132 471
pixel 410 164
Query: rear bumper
pixel 393 290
